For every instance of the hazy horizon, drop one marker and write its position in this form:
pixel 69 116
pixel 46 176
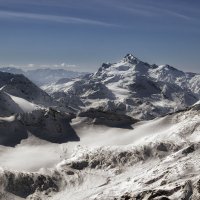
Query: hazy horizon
pixel 81 36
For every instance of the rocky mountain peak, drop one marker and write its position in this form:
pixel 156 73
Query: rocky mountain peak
pixel 130 58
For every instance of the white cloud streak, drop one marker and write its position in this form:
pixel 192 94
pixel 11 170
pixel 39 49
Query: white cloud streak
pixel 53 18
pixel 178 15
pixel 147 10
pixel 155 11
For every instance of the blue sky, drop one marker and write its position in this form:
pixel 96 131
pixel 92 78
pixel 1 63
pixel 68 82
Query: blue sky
pixel 81 34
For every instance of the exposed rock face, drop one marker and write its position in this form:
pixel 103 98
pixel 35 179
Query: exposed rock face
pixel 49 125
pixel 107 118
pixel 20 86
pixel 189 149
pixel 7 106
pixel 25 184
pixel 185 191
pixel 12 132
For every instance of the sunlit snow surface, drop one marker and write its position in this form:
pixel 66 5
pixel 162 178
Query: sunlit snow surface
pixel 173 167
pixel 25 105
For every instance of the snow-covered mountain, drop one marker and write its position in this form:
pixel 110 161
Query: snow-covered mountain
pixel 26 109
pixel 19 85
pixel 131 87
pixel 44 76
pixel 105 150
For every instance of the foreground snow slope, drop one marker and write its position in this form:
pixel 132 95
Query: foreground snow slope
pixel 131 87
pixel 157 159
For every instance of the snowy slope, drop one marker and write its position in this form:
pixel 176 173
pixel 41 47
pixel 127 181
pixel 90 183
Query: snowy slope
pixel 157 159
pixel 20 86
pixel 26 109
pixel 20 95
pixel 130 87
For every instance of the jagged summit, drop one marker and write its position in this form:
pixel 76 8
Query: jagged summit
pixel 130 58
pixel 127 63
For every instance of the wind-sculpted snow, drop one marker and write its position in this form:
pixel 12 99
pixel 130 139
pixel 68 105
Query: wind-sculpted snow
pixel 130 87
pixel 162 168
pixel 115 157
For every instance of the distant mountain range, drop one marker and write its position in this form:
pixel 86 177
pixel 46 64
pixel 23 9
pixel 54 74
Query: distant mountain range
pixel 43 76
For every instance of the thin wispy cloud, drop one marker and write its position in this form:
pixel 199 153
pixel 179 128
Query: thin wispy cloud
pixel 53 18
pixel 178 15
pixel 156 11
pixel 136 11
pixel 148 10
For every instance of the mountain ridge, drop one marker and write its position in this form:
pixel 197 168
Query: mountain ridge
pixel 131 87
pixel 26 109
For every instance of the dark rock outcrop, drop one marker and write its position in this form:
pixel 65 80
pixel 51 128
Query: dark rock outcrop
pixel 25 184
pixel 107 118
pixel 49 125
